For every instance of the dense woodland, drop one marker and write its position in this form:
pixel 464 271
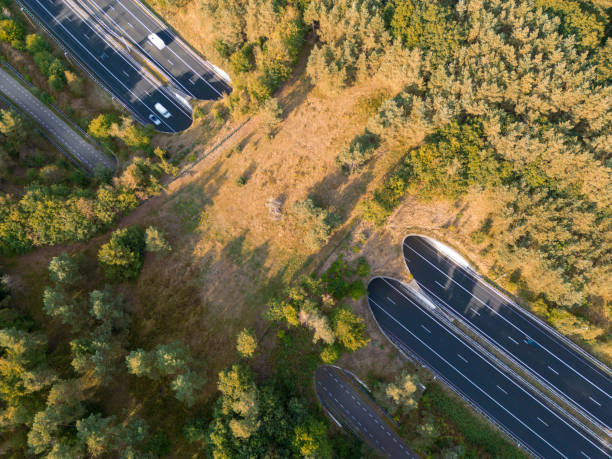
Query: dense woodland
pixel 508 102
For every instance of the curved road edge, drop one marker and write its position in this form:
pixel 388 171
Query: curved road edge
pixel 343 398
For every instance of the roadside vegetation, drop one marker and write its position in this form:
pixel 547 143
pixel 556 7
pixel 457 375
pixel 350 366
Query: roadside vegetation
pixel 190 325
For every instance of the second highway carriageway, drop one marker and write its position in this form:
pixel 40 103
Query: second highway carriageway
pixel 533 345
pixel 189 72
pixel 83 38
pixel 418 331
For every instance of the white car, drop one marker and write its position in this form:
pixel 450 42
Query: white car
pixel 157 41
pixel 154 119
pixel 161 109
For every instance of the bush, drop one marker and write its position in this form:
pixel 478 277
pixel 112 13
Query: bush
pixel 356 290
pixel 330 353
pixel 195 430
pixel 335 279
pixel 271 116
pixel 155 241
pixel 121 258
pixel 35 44
pixel 243 60
pixel 318 221
pixel 11 31
pixel 358 152
pixel 350 329
pixel 100 127
pixel 159 445
pixel 246 343
pixel 363 268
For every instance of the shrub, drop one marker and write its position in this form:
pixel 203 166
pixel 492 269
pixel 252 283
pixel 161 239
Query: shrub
pixel 11 31
pixel 356 290
pixel 35 44
pixel 363 268
pixel 243 60
pixel 121 258
pixel 358 152
pixel 349 329
pixel 330 353
pixel 335 279
pixel 271 116
pixel 100 126
pixel 246 344
pixel 195 430
pixel 318 221
pixel 155 241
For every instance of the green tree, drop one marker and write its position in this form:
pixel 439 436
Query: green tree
pixel 279 310
pixel 15 130
pixel 53 428
pixel 64 270
pixel 122 257
pixel 97 354
pixel 11 31
pixel 100 435
pixel 100 126
pixel 569 324
pixel 140 363
pixel 36 44
pixel 350 329
pixel 24 374
pixel 246 343
pixel 169 360
pixel 318 222
pixel 360 150
pixel 402 394
pixel 186 386
pixel 107 307
pixel 352 41
pixel 271 116
pixel 311 439
pixel 330 353
pixel 57 303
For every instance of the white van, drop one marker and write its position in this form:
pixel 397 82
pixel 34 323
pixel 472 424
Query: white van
pixel 157 41
pixel 161 109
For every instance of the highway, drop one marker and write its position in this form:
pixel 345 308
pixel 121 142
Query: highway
pixel 115 69
pixel 532 344
pixel 348 403
pixel 415 330
pixel 189 72
pixel 60 131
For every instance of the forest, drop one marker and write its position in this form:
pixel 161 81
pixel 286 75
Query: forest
pixel 151 314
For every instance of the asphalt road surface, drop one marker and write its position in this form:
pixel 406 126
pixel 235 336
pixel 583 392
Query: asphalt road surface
pixel 188 71
pixel 417 331
pixel 120 74
pixel 53 125
pixel 344 398
pixel 533 345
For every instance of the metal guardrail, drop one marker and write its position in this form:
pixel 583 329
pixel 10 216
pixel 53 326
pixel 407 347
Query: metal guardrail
pixel 504 367
pixel 602 366
pixel 544 384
